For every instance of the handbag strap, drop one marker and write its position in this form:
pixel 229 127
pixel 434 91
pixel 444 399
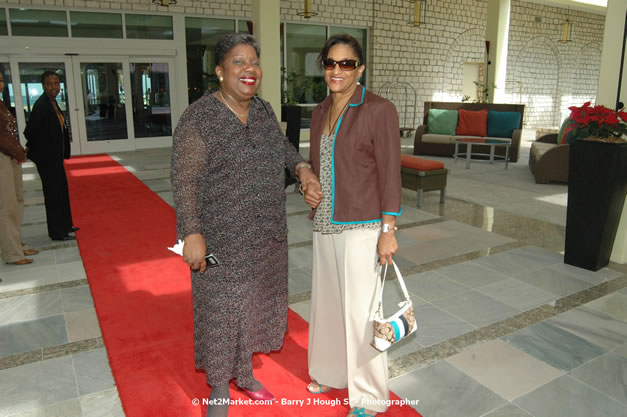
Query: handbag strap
pixel 400 281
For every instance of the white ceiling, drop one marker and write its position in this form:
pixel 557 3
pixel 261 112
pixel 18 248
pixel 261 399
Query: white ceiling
pixel 574 5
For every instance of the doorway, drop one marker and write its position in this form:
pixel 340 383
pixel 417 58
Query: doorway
pixel 111 103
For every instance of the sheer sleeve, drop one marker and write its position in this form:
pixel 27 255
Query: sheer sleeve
pixel 189 162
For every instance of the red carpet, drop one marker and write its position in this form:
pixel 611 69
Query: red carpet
pixel 142 295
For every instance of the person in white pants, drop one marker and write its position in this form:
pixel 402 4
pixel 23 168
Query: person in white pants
pixel 355 150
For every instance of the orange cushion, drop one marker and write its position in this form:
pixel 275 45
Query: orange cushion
pixel 420 164
pixel 472 123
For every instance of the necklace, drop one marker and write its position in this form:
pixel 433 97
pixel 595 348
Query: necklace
pixel 331 129
pixel 231 108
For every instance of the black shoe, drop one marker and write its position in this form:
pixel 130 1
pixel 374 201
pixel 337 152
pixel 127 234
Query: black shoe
pixel 74 229
pixel 64 238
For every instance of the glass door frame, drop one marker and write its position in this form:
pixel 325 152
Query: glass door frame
pixel 14 61
pixel 79 112
pixel 158 141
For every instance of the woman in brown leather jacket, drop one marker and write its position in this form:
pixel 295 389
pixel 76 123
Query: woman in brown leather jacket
pixel 355 150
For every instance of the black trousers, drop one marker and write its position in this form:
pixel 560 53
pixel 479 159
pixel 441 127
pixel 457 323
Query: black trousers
pixel 56 197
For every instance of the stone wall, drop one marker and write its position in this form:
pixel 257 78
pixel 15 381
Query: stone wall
pixel 546 74
pixel 542 73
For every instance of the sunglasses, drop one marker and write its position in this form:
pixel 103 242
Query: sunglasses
pixel 345 64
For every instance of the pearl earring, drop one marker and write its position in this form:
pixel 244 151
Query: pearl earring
pixel 221 78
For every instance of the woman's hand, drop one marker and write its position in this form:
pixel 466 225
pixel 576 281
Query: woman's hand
pixel 311 187
pixel 194 252
pixel 387 244
pixel 387 247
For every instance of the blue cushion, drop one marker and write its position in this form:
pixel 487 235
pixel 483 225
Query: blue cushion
pixel 442 122
pixel 501 124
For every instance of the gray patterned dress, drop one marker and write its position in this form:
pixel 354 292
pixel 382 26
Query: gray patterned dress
pixel 228 184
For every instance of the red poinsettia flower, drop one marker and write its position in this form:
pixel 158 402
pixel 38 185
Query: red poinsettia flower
pixel 597 121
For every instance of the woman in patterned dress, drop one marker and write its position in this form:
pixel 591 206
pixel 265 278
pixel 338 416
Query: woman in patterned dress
pixel 355 149
pixel 228 172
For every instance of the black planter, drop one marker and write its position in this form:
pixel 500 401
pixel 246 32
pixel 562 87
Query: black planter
pixel 597 184
pixel 292 115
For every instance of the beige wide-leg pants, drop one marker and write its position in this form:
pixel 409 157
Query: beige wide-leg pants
pixel 343 293
pixel 11 209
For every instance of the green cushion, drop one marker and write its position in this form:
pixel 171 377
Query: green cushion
pixel 442 122
pixel 501 124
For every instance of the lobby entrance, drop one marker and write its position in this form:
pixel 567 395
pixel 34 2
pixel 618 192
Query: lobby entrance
pixel 112 103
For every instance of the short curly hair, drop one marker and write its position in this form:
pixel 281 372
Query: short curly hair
pixel 230 41
pixel 47 74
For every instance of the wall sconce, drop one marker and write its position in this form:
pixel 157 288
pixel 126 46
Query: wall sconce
pixel 567 29
pixel 418 17
pixel 164 3
pixel 307 13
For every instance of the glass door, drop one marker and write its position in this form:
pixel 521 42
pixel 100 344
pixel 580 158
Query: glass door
pixel 102 110
pixel 111 103
pixel 26 88
pixel 152 106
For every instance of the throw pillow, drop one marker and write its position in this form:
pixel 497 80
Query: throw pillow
pixel 442 122
pixel 561 137
pixel 472 123
pixel 501 124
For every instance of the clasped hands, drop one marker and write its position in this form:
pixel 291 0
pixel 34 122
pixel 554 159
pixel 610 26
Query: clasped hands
pixel 310 186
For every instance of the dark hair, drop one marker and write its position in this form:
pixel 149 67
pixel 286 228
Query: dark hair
pixel 230 41
pixel 341 39
pixel 47 74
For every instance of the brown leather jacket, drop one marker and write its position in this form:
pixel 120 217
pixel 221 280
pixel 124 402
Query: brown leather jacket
pixel 9 142
pixel 366 158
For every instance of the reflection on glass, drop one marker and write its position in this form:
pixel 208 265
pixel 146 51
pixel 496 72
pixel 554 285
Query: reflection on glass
pixel 305 81
pixel 143 26
pixel 30 84
pixel 96 25
pixel 31 22
pixel 362 37
pixel 8 97
pixel 104 101
pixel 3 24
pixel 150 87
pixel 201 37
pixel 245 26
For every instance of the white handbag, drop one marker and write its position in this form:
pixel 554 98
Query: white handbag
pixel 400 324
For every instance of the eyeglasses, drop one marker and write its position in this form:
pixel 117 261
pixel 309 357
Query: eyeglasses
pixel 345 65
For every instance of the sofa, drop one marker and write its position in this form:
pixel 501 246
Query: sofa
pixel 548 160
pixel 481 121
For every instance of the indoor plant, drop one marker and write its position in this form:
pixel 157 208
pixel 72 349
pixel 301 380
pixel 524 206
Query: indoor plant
pixel 597 123
pixel 597 184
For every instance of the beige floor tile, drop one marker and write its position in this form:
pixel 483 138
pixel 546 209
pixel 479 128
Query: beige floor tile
pixel 504 369
pixel 82 325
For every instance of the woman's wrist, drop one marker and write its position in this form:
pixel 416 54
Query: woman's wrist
pixel 301 165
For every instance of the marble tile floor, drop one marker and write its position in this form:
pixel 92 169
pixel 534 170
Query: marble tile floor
pixel 505 328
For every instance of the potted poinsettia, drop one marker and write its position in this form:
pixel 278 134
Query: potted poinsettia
pixel 597 184
pixel 597 123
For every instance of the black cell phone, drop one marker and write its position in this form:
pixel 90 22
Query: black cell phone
pixel 211 260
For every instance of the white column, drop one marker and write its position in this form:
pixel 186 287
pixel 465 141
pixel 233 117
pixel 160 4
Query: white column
pixel 266 26
pixel 497 32
pixel 607 93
